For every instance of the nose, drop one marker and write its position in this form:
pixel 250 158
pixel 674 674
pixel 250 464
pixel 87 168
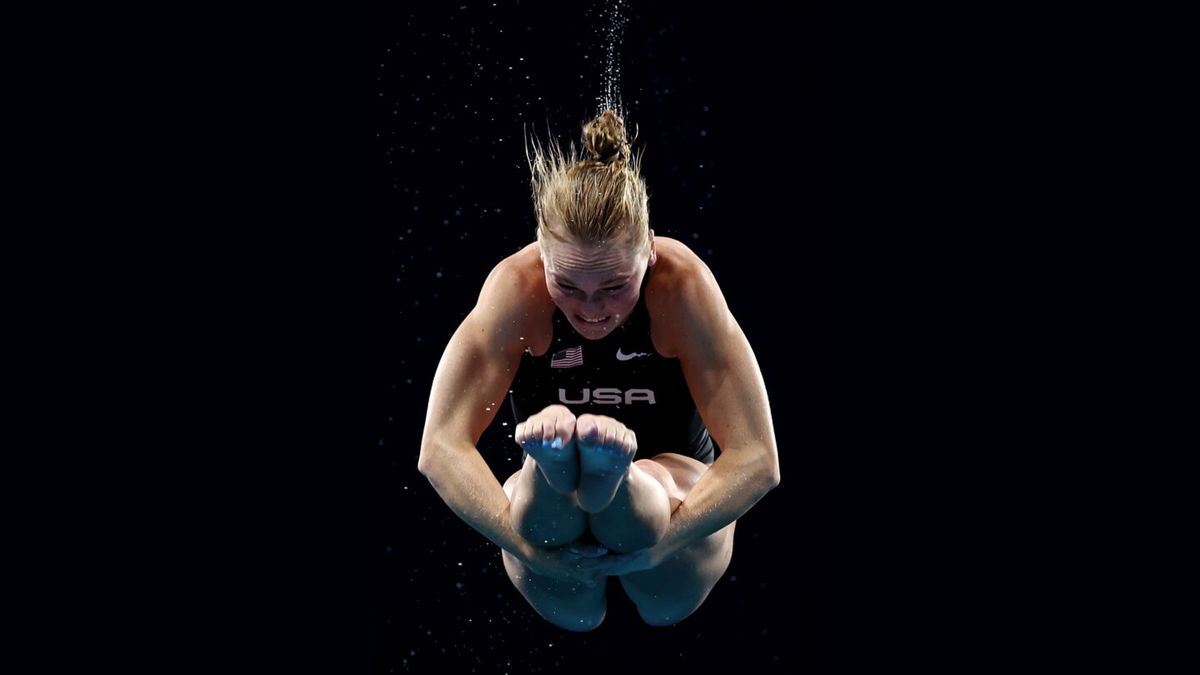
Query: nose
pixel 596 300
pixel 592 309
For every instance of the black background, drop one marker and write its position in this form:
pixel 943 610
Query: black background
pixel 876 191
pixel 737 156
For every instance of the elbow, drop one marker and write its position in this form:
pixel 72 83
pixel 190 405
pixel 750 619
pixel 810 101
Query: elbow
pixel 431 451
pixel 439 452
pixel 433 456
pixel 426 464
pixel 425 461
pixel 772 475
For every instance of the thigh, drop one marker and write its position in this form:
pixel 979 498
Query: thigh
pixel 508 484
pixel 678 473
pixel 670 592
pixel 677 587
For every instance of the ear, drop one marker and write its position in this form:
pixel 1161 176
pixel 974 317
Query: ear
pixel 653 252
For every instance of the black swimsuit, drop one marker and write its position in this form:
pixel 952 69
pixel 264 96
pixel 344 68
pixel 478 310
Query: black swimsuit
pixel 621 376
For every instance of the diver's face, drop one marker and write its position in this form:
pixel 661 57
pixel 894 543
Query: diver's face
pixel 590 282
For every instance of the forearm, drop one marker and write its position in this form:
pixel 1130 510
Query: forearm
pixel 466 483
pixel 731 485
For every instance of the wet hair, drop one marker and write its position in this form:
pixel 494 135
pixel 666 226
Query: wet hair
pixel 598 199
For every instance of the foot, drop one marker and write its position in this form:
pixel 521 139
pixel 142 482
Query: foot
pixel 548 437
pixel 606 449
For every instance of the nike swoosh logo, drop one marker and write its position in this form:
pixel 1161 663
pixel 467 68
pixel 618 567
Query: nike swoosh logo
pixel 626 357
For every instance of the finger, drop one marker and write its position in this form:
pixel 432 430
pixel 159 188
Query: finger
pixel 609 561
pixel 630 440
pixel 589 576
pixel 598 565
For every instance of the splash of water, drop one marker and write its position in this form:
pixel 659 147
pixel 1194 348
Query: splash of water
pixel 614 31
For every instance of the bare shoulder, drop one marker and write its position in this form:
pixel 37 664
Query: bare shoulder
pixel 516 284
pixel 676 254
pixel 479 361
pixel 515 294
pixel 722 372
pixel 681 280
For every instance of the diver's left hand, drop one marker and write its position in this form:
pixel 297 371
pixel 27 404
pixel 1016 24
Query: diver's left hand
pixel 619 564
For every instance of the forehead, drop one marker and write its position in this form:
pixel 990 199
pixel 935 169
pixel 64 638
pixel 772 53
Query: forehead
pixel 585 260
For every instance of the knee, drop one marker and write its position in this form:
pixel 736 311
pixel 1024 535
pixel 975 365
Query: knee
pixel 666 616
pixel 550 600
pixel 578 623
pixel 667 611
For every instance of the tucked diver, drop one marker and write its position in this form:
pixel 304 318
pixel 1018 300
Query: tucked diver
pixel 640 407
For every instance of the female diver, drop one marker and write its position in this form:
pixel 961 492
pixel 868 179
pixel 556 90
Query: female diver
pixel 626 374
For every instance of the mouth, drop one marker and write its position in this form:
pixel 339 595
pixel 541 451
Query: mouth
pixel 592 322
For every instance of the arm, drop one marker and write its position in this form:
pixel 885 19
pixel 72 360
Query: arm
pixel 726 491
pixel 727 385
pixel 465 482
pixel 469 386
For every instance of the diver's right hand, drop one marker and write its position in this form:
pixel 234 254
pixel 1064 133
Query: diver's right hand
pixel 568 563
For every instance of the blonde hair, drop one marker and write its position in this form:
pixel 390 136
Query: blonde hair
pixel 600 199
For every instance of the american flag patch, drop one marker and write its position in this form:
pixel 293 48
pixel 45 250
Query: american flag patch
pixel 567 358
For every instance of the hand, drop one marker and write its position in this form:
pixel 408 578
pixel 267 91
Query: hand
pixel 574 563
pixel 617 565
pixel 620 564
pixel 587 550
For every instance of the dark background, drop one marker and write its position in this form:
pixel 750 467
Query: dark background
pixel 889 186
pixel 732 115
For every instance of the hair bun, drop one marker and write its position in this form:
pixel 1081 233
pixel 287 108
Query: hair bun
pixel 605 138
